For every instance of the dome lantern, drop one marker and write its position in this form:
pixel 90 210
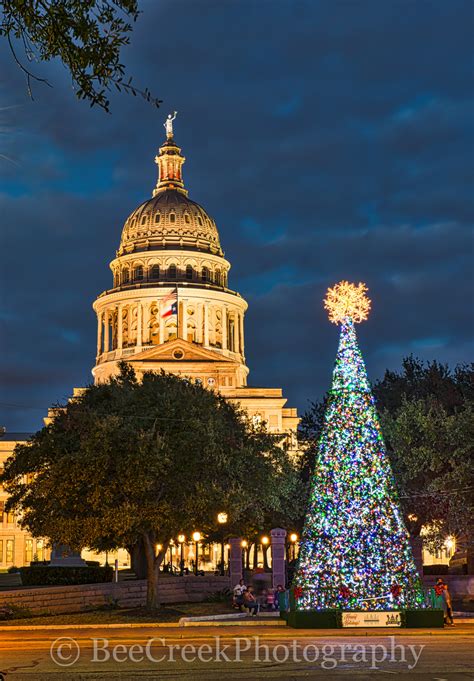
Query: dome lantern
pixel 170 162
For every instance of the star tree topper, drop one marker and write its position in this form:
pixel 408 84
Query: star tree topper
pixel 347 300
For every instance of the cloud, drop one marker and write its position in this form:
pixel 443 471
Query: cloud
pixel 327 140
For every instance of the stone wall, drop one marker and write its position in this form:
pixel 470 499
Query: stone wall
pixel 129 594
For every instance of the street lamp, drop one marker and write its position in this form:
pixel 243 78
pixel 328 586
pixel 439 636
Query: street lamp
pixel 181 540
pixel 265 542
pixel 244 544
pixel 293 540
pixel 222 519
pixel 196 539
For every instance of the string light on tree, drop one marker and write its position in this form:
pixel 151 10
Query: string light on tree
pixel 355 551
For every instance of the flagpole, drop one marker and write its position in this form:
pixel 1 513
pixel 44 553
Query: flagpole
pixel 177 312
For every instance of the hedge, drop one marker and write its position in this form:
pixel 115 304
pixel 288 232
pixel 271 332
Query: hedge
pixel 58 576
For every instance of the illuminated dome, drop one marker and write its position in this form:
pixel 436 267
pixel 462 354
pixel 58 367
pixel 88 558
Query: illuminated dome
pixel 170 219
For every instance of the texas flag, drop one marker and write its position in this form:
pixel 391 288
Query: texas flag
pixel 169 304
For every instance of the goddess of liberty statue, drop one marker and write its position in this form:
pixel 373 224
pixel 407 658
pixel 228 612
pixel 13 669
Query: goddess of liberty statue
pixel 168 124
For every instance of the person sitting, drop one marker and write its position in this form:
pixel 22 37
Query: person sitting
pixel 239 591
pixel 250 602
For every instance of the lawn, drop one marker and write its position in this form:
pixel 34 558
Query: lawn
pixel 170 613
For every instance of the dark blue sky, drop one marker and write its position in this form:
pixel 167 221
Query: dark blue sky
pixel 328 140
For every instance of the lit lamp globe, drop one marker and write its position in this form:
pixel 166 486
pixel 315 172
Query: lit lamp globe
pixel 244 543
pixel 222 518
pixel 265 540
pixel 181 538
pixel 293 537
pixel 196 536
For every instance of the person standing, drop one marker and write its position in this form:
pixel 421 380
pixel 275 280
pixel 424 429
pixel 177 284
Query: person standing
pixel 448 619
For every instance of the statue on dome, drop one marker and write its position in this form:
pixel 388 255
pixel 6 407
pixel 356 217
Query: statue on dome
pixel 168 124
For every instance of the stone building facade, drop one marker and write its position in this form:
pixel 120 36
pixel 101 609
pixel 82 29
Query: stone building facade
pixel 169 258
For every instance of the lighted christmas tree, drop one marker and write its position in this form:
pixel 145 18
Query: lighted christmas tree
pixel 355 551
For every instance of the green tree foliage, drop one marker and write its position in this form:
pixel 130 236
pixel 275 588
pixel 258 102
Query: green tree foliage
pixel 426 413
pixel 427 420
pixel 143 462
pixel 86 35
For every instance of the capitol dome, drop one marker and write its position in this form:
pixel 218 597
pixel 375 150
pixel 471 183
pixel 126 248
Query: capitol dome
pixel 170 220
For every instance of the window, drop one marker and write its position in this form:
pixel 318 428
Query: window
pixel 205 274
pixel 40 549
pixel 189 272
pixel 28 550
pixel 144 220
pixel 218 277
pixel 187 219
pixel 1 550
pixel 200 220
pixel 172 271
pixel 155 272
pixel 9 551
pixel 125 276
pixel 172 217
pixel 157 218
pixel 2 509
pixel 138 273
pixel 10 517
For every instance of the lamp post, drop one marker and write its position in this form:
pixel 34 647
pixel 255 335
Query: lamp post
pixel 244 544
pixel 222 519
pixel 181 539
pixel 265 541
pixel 196 539
pixel 293 540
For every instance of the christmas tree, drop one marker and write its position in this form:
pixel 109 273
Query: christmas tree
pixel 355 551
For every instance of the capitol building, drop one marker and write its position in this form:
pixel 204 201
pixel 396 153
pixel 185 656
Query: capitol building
pixel 171 308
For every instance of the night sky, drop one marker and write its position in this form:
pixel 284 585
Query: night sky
pixel 328 140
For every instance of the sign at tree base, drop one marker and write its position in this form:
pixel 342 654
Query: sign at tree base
pixel 375 618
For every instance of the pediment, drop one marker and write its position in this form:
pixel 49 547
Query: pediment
pixel 170 352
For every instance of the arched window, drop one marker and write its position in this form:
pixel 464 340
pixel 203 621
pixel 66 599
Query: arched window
pixel 138 273
pixel 155 272
pixel 205 274
pixel 125 276
pixel 144 220
pixel 218 277
pixel 157 218
pixel 172 217
pixel 200 220
pixel 189 272
pixel 187 219
pixel 172 272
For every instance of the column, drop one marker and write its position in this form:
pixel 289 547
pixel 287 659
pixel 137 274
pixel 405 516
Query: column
pixel 199 323
pixel 106 331
pixel 206 324
pixel 184 319
pixel 161 321
pixel 139 325
pixel 278 536
pixel 241 332
pixel 224 327
pixel 120 327
pixel 99 333
pixel 235 561
pixel 146 319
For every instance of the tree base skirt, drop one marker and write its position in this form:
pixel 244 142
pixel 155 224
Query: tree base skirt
pixel 332 619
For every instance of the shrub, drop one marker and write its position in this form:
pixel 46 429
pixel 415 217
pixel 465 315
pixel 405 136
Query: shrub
pixel 439 569
pixel 57 576
pixel 14 612
pixel 219 596
pixel 11 570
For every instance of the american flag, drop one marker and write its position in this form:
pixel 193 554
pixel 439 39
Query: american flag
pixel 169 304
